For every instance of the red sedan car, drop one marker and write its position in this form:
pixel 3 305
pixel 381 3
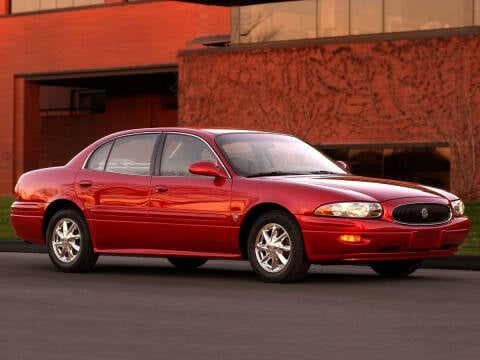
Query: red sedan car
pixel 192 195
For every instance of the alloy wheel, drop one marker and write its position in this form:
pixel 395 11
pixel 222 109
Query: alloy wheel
pixel 66 240
pixel 273 247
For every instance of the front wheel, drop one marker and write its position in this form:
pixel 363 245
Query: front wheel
pixel 275 248
pixel 395 268
pixel 68 242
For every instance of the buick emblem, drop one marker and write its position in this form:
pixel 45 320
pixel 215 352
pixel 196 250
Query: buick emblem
pixel 424 213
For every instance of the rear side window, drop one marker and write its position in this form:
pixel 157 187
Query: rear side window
pixel 132 154
pixel 98 159
pixel 126 155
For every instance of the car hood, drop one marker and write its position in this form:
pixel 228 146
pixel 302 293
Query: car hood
pixel 378 189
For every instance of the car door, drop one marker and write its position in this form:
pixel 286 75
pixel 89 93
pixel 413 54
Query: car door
pixel 114 186
pixel 189 213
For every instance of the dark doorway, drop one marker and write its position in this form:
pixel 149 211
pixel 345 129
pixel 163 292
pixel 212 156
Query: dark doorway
pixel 75 109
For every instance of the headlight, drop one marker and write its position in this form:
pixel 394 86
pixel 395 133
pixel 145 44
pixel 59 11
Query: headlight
pixel 458 207
pixel 361 210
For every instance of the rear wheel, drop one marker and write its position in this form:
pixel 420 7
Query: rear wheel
pixel 395 268
pixel 187 263
pixel 275 248
pixel 68 242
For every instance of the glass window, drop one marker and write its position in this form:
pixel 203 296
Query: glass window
pixel 98 159
pixel 47 4
pixel 258 154
pixel 19 6
pixel 424 165
pixel 333 18
pixel 240 156
pixel 64 3
pixel 132 154
pixel 60 100
pixel 87 2
pixel 278 21
pixel 325 18
pixel 181 151
pixel 406 15
pixel 476 11
pixel 366 16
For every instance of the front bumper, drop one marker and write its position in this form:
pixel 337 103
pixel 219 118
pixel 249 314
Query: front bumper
pixel 380 240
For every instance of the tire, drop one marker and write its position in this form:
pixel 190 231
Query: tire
pixel 396 268
pixel 187 263
pixel 68 242
pixel 275 248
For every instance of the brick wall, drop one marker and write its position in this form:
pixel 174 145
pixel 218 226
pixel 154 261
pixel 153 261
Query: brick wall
pixel 4 7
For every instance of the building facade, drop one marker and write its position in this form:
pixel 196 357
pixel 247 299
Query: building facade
pixel 390 86
pixel 73 71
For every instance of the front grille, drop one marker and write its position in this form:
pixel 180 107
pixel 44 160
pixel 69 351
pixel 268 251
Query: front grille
pixel 422 214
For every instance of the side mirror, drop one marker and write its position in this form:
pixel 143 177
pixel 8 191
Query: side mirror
pixel 207 168
pixel 343 165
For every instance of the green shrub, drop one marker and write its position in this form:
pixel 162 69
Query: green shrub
pixel 6 231
pixel 472 247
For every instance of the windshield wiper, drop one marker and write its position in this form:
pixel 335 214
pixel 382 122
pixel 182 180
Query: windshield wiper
pixel 324 172
pixel 273 173
pixel 283 173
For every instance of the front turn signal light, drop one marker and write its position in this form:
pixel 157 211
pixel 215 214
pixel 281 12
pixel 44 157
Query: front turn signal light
pixel 353 239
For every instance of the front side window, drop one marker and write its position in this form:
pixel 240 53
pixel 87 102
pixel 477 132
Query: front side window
pixel 131 155
pixel 180 151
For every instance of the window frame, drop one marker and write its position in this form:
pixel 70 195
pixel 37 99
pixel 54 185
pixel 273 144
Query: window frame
pixel 153 155
pixel 161 148
pixel 238 39
pixel 87 162
pixel 54 8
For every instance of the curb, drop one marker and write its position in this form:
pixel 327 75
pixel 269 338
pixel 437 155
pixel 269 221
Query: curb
pixel 456 262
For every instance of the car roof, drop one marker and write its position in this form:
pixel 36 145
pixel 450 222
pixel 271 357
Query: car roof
pixel 214 131
pixel 230 131
pixel 208 132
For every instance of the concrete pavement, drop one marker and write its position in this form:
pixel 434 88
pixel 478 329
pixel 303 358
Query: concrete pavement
pixel 457 262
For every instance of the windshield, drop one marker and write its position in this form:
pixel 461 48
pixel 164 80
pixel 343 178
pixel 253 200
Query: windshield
pixel 263 154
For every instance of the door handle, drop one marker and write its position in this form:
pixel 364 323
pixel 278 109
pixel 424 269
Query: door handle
pixel 85 183
pixel 161 189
